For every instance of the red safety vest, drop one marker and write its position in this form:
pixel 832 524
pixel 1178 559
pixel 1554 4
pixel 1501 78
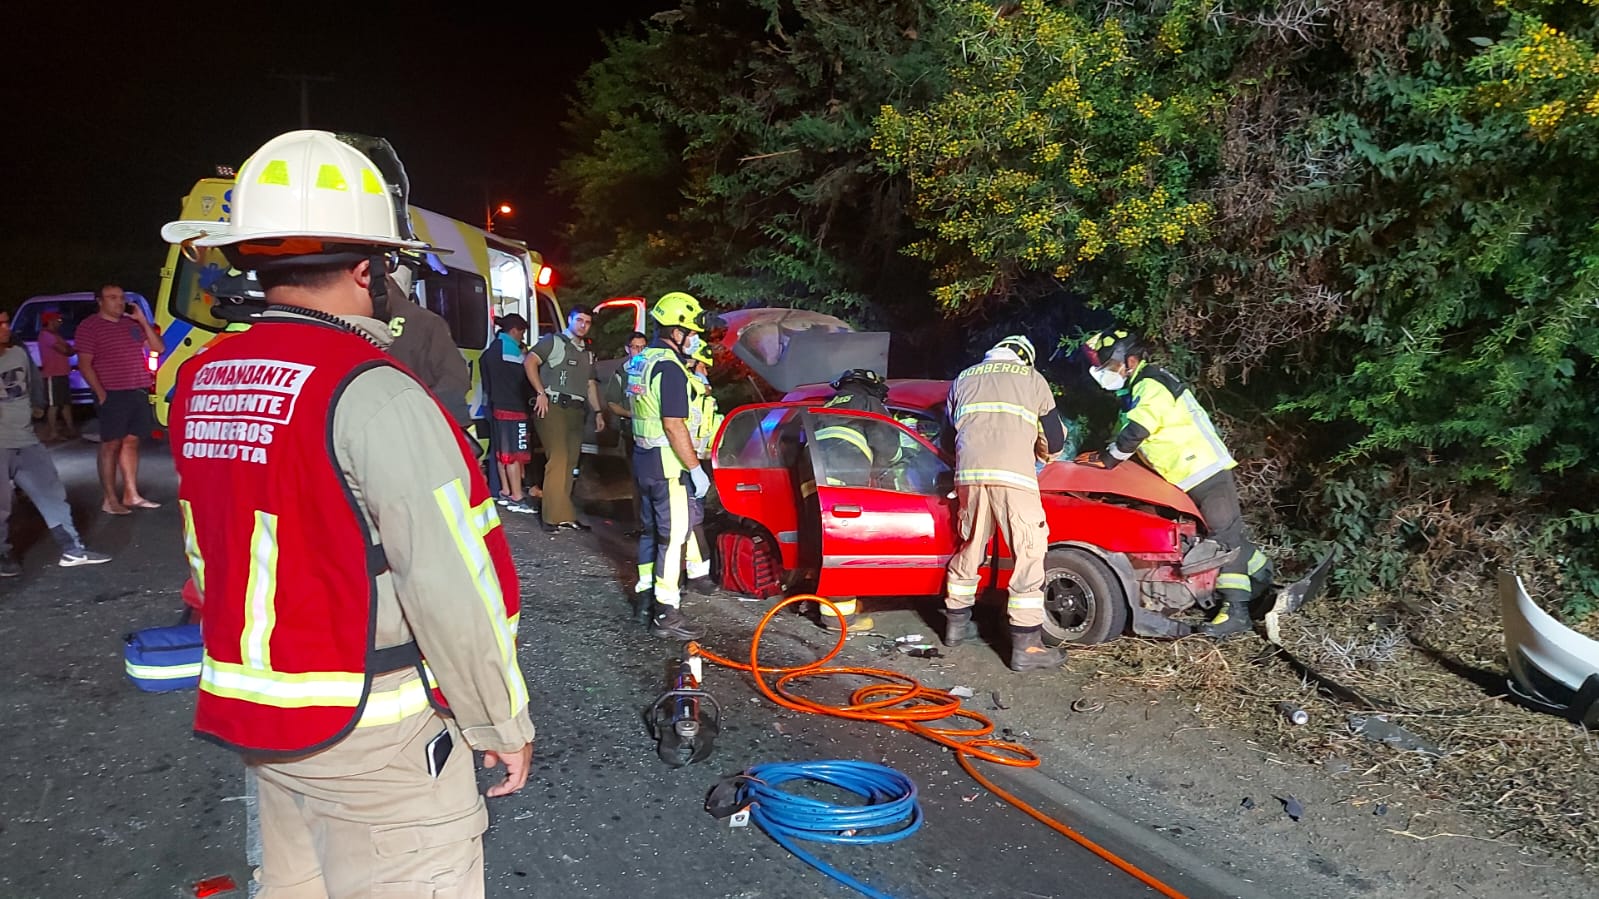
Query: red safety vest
pixel 276 544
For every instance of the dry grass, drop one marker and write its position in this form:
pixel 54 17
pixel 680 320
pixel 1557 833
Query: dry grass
pixel 1532 779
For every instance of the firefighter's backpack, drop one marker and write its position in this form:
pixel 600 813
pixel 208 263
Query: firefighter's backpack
pixel 162 659
pixel 748 565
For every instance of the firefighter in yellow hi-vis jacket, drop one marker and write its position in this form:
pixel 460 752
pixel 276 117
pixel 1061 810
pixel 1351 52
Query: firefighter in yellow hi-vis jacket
pixel 703 422
pixel 1163 423
pixel 666 469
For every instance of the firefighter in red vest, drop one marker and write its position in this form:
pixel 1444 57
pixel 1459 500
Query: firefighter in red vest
pixel 360 600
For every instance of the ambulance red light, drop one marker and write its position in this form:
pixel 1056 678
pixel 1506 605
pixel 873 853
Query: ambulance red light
pixel 546 276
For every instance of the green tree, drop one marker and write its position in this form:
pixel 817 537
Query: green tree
pixel 1066 139
pixel 726 149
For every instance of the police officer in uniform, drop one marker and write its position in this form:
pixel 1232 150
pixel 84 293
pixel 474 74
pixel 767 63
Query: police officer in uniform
pixel 561 370
pixel 666 469
pixel 340 532
pixel 1164 424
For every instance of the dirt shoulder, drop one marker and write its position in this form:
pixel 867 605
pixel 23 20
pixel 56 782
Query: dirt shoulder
pixel 1209 762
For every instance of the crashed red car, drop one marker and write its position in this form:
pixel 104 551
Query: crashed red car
pixel 1116 537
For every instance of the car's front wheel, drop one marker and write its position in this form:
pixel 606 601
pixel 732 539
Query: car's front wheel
pixel 1083 600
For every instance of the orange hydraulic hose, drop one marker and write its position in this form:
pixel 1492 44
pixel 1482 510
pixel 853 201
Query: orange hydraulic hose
pixel 902 703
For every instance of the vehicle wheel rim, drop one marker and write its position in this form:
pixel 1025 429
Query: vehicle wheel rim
pixel 1069 602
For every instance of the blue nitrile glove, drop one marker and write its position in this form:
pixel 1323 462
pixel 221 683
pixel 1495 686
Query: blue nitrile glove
pixel 701 481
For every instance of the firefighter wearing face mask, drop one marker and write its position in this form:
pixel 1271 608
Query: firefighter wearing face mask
pixel 703 422
pixel 667 470
pixel 1162 423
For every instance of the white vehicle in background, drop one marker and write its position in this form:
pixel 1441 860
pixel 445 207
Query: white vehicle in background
pixel 28 321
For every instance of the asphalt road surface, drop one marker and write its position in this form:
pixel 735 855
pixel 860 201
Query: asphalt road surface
pixel 107 794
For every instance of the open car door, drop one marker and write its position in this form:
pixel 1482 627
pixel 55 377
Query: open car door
pixel 757 454
pixel 887 524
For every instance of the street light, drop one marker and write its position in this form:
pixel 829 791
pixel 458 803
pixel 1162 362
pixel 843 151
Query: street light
pixel 488 220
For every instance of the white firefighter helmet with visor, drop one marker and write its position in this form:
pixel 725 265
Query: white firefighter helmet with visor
pixel 299 193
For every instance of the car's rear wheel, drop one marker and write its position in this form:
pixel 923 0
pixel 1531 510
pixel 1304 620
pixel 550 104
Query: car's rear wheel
pixel 1083 601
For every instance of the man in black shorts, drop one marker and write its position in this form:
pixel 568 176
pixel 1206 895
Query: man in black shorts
pixel 507 390
pixel 114 351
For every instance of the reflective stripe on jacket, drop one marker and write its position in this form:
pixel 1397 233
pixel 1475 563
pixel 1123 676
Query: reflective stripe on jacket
pixel 1183 446
pixel 996 407
pixel 645 389
pixel 283 555
pixel 703 418
pixel 877 443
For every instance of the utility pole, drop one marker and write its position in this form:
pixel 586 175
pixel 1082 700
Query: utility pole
pixel 305 91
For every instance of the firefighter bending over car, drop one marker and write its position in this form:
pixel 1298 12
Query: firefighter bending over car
pixel 1162 422
pixel 666 469
pixel 855 452
pixel 1005 419
pixel 703 422
pixel 341 533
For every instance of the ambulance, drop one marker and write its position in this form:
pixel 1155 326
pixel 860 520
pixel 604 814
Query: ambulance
pixel 483 277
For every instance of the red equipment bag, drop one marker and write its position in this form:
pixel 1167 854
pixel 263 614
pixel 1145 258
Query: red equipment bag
pixel 748 565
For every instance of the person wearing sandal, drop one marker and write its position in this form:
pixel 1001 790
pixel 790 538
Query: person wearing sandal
pixel 113 354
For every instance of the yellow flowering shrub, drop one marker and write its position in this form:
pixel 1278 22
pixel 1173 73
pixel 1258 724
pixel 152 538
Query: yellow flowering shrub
pixel 1052 148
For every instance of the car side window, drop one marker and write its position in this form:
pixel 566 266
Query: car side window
pixel 860 451
pixel 760 438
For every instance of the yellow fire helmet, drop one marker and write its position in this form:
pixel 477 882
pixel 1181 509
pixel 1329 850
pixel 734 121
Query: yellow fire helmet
pixel 679 310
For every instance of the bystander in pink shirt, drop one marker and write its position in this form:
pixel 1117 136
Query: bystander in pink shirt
pixel 52 362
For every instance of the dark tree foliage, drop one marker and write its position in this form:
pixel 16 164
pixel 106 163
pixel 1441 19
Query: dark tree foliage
pixel 725 149
pixel 1368 229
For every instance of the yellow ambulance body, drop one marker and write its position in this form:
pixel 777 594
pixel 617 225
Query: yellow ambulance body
pixel 483 277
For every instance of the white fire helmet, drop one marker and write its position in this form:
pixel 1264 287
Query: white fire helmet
pixel 299 194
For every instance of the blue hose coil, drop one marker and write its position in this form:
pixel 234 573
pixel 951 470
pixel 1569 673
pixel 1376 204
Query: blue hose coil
pixel 786 818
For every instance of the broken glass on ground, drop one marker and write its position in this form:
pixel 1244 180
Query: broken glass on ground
pixel 1380 730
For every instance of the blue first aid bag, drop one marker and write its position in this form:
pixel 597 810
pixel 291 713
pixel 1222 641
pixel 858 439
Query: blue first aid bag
pixel 160 659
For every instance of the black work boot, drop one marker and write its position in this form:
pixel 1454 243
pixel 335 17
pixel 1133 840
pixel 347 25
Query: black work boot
pixel 1231 619
pixel 958 626
pixel 1028 652
pixel 643 606
pixel 669 623
pixel 702 585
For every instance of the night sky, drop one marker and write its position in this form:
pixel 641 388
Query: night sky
pixel 114 111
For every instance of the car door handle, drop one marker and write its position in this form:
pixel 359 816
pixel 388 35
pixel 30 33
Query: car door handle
pixel 746 488
pixel 846 511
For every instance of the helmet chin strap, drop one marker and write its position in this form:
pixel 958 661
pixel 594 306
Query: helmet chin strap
pixel 378 287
